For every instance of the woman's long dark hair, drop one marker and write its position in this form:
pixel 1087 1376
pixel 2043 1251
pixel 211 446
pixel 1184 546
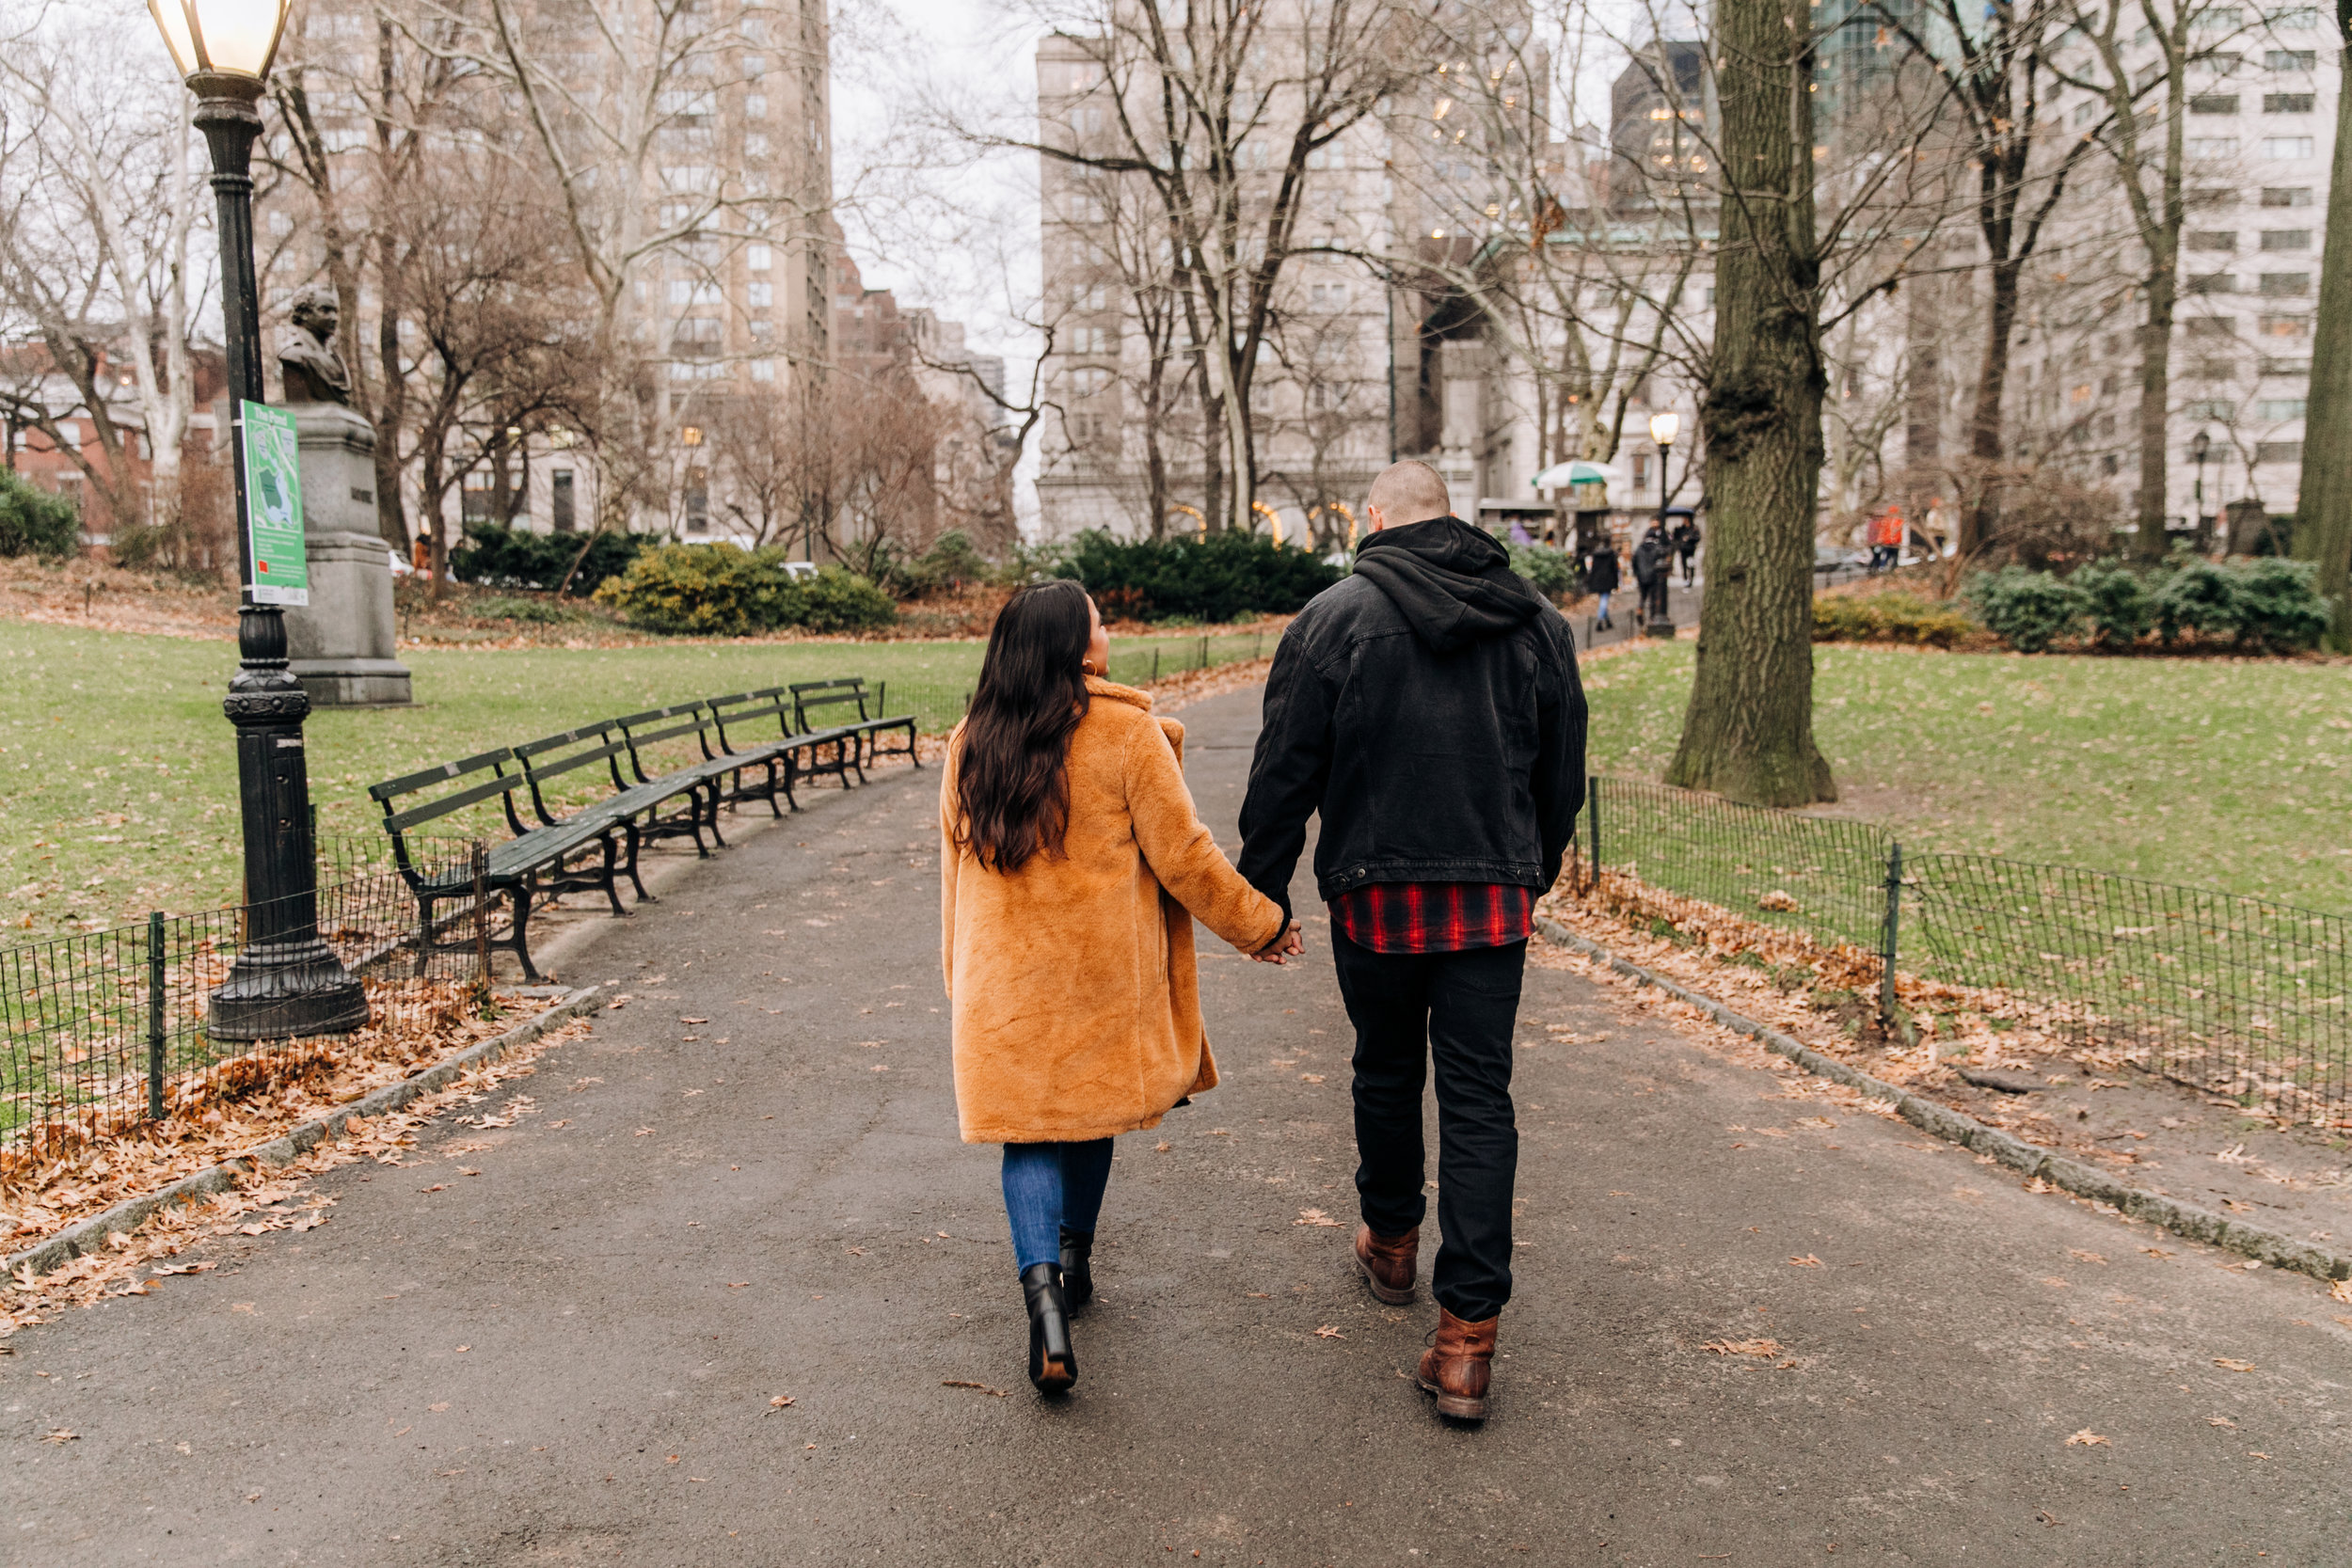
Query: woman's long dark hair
pixel 1012 789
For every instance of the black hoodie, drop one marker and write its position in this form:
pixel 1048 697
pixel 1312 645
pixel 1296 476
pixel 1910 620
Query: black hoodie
pixel 1428 707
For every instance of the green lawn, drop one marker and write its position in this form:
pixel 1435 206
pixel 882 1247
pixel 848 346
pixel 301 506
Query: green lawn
pixel 118 780
pixel 118 775
pixel 2236 775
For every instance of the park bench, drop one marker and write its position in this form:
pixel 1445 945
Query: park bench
pixel 868 727
pixel 628 810
pixel 534 861
pixel 784 760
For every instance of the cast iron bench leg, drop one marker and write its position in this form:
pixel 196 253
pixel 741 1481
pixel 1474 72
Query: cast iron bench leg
pixel 629 828
pixel 605 875
pixel 521 895
pixel 424 934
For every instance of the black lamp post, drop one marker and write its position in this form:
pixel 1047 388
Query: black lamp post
pixel 1664 427
pixel 285 981
pixel 2198 444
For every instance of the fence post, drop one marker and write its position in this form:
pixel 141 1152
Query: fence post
pixel 156 976
pixel 1888 939
pixel 1204 650
pixel 1155 661
pixel 1257 647
pixel 1592 823
pixel 481 868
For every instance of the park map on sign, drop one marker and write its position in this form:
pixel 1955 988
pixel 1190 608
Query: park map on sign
pixel 272 487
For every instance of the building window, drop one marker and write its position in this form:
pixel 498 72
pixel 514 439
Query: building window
pixel 2215 147
pixel 2283 326
pixel 2286 239
pixel 698 499
pixel 761 297
pixel 2288 102
pixel 696 336
pixel 2274 410
pixel 2212 283
pixel 2286 195
pixel 561 514
pixel 754 144
pixel 2224 240
pixel 757 257
pixel 2214 103
pixel 694 291
pixel 2278 452
pixel 2209 327
pixel 2210 409
pixel 763 370
pixel 2277 284
pixel 2290 60
pixel 2286 147
pixel 756 105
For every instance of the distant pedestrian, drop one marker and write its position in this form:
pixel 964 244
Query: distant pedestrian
pixel 1887 539
pixel 1072 866
pixel 1651 567
pixel 1601 577
pixel 1427 709
pixel 1686 537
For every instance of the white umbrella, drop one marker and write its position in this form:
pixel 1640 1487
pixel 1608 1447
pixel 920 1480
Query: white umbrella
pixel 1577 472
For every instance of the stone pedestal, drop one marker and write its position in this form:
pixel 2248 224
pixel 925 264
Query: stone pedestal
pixel 342 643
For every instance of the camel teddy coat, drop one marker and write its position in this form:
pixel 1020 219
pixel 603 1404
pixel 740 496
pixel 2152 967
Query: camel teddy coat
pixel 1075 1002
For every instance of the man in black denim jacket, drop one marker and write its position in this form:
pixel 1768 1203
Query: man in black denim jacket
pixel 1428 709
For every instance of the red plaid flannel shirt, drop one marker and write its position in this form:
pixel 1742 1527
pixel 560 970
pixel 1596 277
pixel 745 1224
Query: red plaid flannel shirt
pixel 1435 917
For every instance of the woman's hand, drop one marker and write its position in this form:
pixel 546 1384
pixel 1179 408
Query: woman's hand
pixel 1282 949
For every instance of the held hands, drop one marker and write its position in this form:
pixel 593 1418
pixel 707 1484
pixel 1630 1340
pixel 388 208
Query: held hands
pixel 1282 949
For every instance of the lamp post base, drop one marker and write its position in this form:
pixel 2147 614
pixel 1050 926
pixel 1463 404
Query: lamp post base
pixel 284 989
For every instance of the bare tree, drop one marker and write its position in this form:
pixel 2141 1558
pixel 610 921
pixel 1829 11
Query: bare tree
pixel 95 259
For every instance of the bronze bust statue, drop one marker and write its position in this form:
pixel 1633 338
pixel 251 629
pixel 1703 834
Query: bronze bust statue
pixel 312 371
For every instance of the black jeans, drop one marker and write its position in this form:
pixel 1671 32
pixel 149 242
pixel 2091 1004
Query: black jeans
pixel 1459 1008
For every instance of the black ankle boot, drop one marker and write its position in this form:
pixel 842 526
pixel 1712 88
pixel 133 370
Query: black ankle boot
pixel 1078 1267
pixel 1053 1364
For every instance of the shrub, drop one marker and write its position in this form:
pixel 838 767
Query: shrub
pixel 500 556
pixel 2194 596
pixel 711 589
pixel 837 600
pixel 33 522
pixel 2280 604
pixel 2118 601
pixel 1216 578
pixel 720 590
pixel 1553 572
pixel 1889 618
pixel 951 563
pixel 2027 609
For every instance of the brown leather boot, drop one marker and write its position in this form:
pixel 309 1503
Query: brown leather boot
pixel 1389 1262
pixel 1457 1368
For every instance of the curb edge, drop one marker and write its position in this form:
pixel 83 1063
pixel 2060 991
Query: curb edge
pixel 89 1234
pixel 2184 1219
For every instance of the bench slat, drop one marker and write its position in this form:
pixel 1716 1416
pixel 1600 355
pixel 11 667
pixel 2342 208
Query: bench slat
pixel 401 821
pixel 408 784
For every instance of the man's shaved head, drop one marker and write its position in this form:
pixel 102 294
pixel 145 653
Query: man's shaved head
pixel 1408 492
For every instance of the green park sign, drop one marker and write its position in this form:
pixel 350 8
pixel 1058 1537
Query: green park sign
pixel 273 493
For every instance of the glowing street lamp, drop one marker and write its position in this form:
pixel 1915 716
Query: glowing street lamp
pixel 286 981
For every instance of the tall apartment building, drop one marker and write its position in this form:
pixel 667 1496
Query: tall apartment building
pixel 712 128
pixel 1353 371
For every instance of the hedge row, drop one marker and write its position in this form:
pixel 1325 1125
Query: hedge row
pixel 1221 578
pixel 2261 605
pixel 499 557
pixel 33 522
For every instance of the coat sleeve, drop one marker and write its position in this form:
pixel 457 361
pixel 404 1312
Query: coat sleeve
pixel 1182 855
pixel 950 866
pixel 1289 770
pixel 1558 784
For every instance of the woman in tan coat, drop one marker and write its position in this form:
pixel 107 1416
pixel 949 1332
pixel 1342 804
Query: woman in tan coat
pixel 1072 866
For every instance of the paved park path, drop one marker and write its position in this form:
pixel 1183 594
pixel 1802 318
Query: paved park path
pixel 569 1358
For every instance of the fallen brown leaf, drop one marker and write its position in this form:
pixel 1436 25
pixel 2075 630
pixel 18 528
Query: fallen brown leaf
pixel 1313 1216
pixel 2221 1421
pixel 964 1383
pixel 2228 1365
pixel 2088 1439
pixel 780 1401
pixel 1764 1348
pixel 1807 1262
pixel 1329 1331
pixel 59 1434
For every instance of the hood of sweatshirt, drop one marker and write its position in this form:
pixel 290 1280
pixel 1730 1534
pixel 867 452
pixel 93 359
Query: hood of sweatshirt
pixel 1452 582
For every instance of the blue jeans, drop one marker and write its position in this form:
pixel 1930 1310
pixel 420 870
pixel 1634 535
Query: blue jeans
pixel 1048 1186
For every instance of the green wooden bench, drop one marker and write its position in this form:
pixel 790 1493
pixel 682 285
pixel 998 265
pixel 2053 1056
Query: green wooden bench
pixel 851 691
pixel 535 861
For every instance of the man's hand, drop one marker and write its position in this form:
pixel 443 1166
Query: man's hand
pixel 1282 949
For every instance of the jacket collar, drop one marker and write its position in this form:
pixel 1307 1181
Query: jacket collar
pixel 1098 686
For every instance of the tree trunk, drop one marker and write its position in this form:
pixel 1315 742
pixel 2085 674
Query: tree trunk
pixel 2323 529
pixel 1978 507
pixel 1748 733
pixel 2155 377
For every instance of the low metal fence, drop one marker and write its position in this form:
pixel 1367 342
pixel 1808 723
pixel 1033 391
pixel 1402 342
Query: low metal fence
pixel 107 1027
pixel 2238 996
